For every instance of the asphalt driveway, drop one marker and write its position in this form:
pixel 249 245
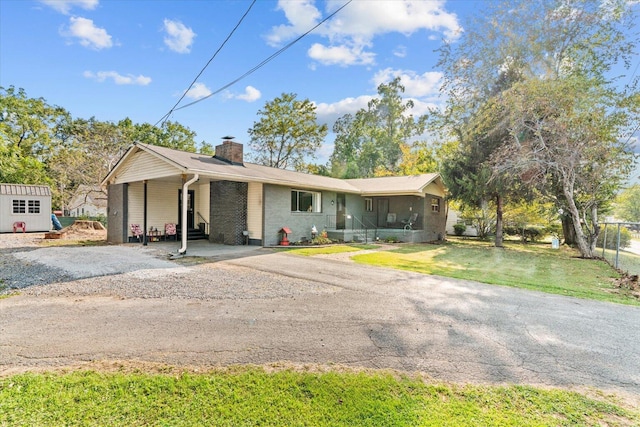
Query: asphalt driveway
pixel 276 307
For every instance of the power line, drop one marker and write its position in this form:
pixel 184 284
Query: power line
pixel 265 61
pixel 166 116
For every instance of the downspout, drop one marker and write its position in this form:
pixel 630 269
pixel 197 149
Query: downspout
pixel 183 220
pixel 144 224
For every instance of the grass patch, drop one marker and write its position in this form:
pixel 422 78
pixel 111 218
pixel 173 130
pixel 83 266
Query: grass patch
pixel 529 266
pixel 251 396
pixel 330 249
pixel 627 261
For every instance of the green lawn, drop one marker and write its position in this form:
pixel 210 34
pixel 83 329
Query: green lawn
pixel 529 266
pixel 252 397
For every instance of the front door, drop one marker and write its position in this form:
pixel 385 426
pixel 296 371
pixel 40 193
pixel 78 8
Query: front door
pixel 341 211
pixel 191 203
pixel 382 210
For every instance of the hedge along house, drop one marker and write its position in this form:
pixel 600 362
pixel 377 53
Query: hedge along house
pixel 25 208
pixel 233 202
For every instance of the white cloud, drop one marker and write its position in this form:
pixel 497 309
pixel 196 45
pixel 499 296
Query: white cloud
pixel 250 94
pixel 179 37
pixel 356 26
pixel 415 85
pixel 118 78
pixel 400 51
pixel 340 55
pixel 198 90
pixel 88 34
pixel 302 15
pixel 65 6
pixel 329 113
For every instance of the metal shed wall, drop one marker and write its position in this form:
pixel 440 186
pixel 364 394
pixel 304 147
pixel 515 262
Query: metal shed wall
pixel 40 221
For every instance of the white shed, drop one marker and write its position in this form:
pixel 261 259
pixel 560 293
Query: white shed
pixel 25 205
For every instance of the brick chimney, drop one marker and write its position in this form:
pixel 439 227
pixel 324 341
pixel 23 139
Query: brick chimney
pixel 229 151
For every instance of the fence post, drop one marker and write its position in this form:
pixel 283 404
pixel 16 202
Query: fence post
pixel 618 246
pixel 604 241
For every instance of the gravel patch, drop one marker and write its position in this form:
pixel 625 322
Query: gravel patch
pixel 133 272
pixel 202 282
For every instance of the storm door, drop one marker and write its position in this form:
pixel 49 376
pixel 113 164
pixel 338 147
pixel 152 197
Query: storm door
pixel 191 203
pixel 382 209
pixel 341 211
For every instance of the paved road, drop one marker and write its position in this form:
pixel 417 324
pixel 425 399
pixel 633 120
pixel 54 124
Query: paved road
pixel 634 246
pixel 356 316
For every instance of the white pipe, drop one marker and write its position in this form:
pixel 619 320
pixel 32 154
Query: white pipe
pixel 183 220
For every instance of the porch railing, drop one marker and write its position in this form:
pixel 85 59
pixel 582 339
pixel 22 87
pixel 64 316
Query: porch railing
pixel 201 220
pixel 365 221
pixel 364 228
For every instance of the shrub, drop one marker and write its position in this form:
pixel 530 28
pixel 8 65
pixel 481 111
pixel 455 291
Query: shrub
pixel 322 239
pixel 526 234
pixel 612 237
pixel 459 229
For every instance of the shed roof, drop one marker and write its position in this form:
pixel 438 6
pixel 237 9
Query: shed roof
pixel 24 190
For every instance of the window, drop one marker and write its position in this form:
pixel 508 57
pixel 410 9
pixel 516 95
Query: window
pixel 368 205
pixel 306 201
pixel 34 206
pixel 19 206
pixel 435 205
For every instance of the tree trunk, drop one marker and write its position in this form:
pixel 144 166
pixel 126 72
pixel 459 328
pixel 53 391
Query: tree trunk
pixel 581 239
pixel 499 234
pixel 568 231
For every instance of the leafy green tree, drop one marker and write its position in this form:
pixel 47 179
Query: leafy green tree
pixel 559 88
pixel 169 134
pixel 286 133
pixel 19 169
pixel 373 141
pixel 561 129
pixel 28 124
pixel 28 137
pixel 628 204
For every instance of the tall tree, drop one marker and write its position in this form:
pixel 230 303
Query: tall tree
pixel 374 141
pixel 573 44
pixel 628 204
pixel 566 131
pixel 287 133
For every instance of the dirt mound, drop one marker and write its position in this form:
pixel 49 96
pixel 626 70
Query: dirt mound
pixel 80 230
pixel 630 284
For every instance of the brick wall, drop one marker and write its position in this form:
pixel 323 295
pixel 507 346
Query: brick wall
pixel 228 214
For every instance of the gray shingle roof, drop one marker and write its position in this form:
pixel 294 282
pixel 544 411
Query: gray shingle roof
pixel 207 165
pixel 24 190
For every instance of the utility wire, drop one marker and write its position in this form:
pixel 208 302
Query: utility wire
pixel 166 116
pixel 265 61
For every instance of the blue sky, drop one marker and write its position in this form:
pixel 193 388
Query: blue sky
pixel 115 59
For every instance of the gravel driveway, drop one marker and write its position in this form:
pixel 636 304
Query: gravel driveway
pixel 282 308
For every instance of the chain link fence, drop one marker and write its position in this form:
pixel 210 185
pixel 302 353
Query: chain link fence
pixel 619 245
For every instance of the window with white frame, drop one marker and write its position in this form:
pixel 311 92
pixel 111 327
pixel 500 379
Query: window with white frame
pixel 19 206
pixel 435 205
pixel 34 206
pixel 306 201
pixel 368 204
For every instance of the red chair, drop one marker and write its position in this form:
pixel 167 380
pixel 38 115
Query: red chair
pixel 170 231
pixel 21 225
pixel 136 231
